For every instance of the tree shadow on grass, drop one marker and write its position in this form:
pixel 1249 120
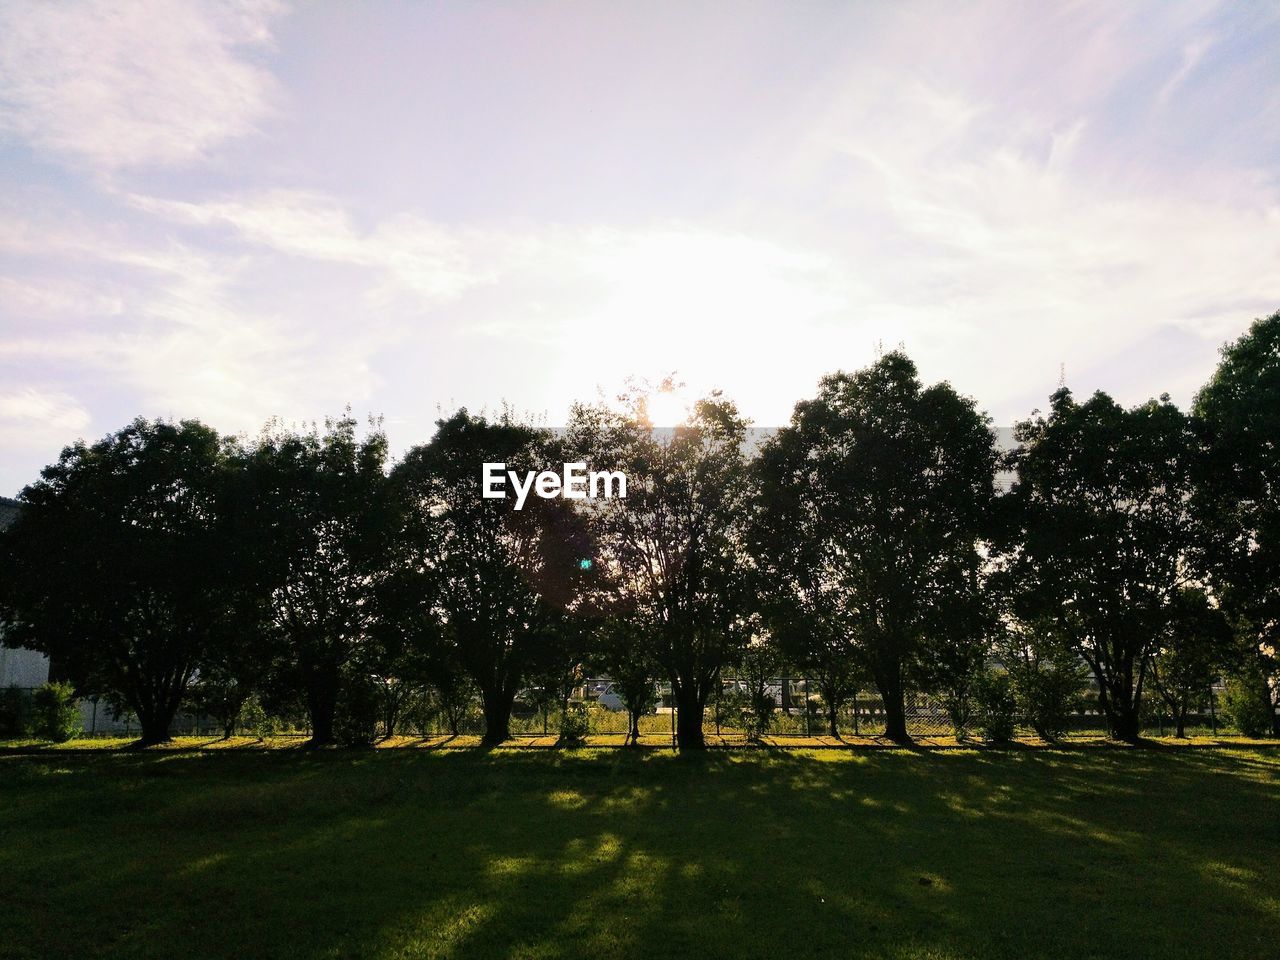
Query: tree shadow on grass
pixel 770 852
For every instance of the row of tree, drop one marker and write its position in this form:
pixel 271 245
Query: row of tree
pixel 871 539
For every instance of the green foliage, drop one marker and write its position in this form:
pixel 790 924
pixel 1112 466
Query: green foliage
pixel 498 588
pixel 1047 675
pixel 1097 528
pixel 55 712
pixel 872 502
pixel 673 549
pixel 760 663
pixel 575 724
pixel 997 706
pixel 1197 645
pixel 1247 703
pixel 255 719
pixel 313 516
pixel 1238 480
pixel 116 565
pixel 1048 693
pixel 733 707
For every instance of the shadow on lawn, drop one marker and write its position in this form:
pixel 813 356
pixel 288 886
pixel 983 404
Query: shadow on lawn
pixel 617 854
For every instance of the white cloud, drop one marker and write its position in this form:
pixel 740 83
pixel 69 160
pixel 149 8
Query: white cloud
pixel 124 83
pixel 33 417
pixel 416 256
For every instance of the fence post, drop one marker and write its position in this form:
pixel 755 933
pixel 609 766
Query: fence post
pixel 672 708
pixel 808 723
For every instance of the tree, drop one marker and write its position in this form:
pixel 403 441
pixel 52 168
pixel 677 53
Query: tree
pixel 1047 678
pixel 115 567
pixel 621 651
pixel 675 545
pixel 960 627
pixel 503 585
pixel 1238 495
pixel 759 665
pixel 312 523
pixel 1099 531
pixel 55 712
pixel 1191 654
pixel 802 607
pixel 889 488
pixel 237 659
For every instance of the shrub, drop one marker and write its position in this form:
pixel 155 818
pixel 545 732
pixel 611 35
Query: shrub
pixel 996 705
pixel 255 719
pixel 55 713
pixel 575 724
pixel 13 713
pixel 1046 696
pixel 1247 702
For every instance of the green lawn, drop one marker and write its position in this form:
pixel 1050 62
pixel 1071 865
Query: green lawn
pixel 1092 852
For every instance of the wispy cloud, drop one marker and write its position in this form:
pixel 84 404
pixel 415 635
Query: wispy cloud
pixel 416 255
pixel 41 419
pixel 133 83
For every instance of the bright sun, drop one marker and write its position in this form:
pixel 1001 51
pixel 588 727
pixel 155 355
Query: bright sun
pixel 667 409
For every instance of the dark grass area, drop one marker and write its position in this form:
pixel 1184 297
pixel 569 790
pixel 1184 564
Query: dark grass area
pixel 607 853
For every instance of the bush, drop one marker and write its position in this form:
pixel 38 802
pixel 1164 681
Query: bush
pixel 996 705
pixel 575 724
pixel 13 713
pixel 1247 703
pixel 1047 695
pixel 255 719
pixel 55 713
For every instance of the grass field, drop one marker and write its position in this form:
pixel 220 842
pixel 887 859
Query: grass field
pixel 1090 852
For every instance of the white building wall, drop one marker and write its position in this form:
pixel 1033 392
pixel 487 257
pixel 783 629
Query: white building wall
pixel 22 668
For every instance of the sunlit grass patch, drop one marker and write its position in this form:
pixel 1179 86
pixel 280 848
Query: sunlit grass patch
pixel 244 851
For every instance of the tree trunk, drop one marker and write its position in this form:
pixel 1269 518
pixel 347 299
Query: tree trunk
pixel 155 725
pixel 322 704
pixel 893 693
pixel 1125 723
pixel 497 715
pixel 895 719
pixel 832 716
pixel 633 733
pixel 689 707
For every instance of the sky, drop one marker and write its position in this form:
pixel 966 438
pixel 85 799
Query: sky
pixel 243 210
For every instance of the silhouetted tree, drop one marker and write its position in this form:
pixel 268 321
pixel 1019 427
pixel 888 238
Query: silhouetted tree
pixel 675 545
pixel 114 567
pixel 503 584
pixel 622 650
pixel 961 627
pixel 1238 496
pixel 1194 650
pixel 313 523
pixel 800 601
pixel 759 665
pixel 1100 532
pixel 893 485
